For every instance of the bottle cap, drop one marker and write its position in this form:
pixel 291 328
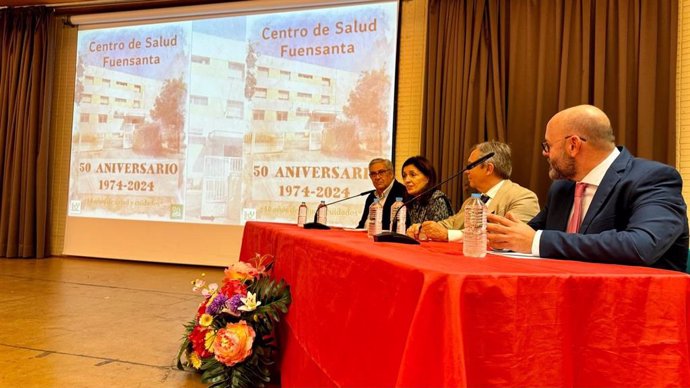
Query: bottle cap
pixel 398 199
pixel 476 195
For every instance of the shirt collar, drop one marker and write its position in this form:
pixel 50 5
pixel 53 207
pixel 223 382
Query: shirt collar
pixel 491 193
pixel 596 175
pixel 385 192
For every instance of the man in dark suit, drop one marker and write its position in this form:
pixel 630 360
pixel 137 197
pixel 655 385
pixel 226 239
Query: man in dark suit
pixel 387 189
pixel 605 205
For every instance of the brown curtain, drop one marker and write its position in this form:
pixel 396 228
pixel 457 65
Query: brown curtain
pixel 498 70
pixel 465 84
pixel 24 120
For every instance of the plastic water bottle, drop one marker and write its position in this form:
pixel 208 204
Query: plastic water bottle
pixel 375 216
pixel 400 226
pixel 474 240
pixel 302 215
pixel 322 213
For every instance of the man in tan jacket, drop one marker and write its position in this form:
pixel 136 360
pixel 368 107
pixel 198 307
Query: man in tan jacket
pixel 501 195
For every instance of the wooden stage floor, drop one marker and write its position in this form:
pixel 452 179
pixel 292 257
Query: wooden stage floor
pixel 78 322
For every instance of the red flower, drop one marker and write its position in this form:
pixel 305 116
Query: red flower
pixel 198 339
pixel 232 287
pixel 201 309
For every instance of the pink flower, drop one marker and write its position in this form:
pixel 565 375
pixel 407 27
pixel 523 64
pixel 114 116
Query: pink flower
pixel 240 271
pixel 233 343
pixel 261 262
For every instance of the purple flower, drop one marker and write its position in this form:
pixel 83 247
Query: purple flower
pixel 216 305
pixel 234 303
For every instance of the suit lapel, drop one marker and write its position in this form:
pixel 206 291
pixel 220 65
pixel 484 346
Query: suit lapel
pixel 561 212
pixel 492 208
pixel 500 194
pixel 611 178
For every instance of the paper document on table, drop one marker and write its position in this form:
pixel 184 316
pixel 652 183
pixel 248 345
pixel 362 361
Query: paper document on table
pixel 516 255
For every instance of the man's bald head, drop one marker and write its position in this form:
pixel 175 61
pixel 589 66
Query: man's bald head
pixel 588 122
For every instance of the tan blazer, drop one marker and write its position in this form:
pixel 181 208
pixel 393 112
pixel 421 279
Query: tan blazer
pixel 511 197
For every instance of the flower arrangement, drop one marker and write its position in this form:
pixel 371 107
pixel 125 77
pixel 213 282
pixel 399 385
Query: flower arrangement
pixel 231 340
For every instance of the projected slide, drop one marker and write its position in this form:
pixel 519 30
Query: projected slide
pixel 233 119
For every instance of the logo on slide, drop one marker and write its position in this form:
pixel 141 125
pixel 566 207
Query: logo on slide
pixel 75 206
pixel 176 211
pixel 248 214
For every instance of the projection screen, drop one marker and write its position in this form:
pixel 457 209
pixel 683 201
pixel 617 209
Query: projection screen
pixel 186 127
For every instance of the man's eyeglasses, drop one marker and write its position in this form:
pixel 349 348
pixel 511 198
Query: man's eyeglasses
pixel 374 174
pixel 546 147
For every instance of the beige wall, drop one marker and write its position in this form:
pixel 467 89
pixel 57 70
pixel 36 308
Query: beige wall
pixel 410 80
pixel 683 97
pixel 61 134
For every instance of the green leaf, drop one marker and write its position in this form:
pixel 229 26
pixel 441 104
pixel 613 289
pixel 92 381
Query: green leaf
pixel 186 346
pixel 184 350
pixel 210 363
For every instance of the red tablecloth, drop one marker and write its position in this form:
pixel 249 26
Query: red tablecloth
pixel 380 314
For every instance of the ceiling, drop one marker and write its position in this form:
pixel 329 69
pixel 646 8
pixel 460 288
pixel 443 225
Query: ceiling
pixel 79 7
pixel 54 3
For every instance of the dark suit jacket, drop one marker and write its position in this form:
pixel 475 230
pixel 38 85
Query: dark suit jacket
pixel 637 216
pixel 398 190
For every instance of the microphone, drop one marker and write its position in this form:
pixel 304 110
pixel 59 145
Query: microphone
pixel 318 225
pixel 405 239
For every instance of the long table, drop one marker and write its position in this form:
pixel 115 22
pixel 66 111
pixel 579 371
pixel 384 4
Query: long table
pixel 371 314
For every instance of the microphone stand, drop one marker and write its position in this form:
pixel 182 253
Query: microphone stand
pixel 399 238
pixel 318 225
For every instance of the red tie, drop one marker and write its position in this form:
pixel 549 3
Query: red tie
pixel 576 219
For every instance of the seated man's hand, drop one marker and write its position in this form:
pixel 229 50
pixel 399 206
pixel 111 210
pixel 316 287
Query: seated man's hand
pixel 435 231
pixel 509 233
pixel 413 230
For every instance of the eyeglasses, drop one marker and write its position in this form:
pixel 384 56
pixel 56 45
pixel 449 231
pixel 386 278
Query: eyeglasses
pixel 546 147
pixel 374 174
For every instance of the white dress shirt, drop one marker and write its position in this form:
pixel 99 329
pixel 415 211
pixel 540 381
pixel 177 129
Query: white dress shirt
pixel 385 193
pixel 382 200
